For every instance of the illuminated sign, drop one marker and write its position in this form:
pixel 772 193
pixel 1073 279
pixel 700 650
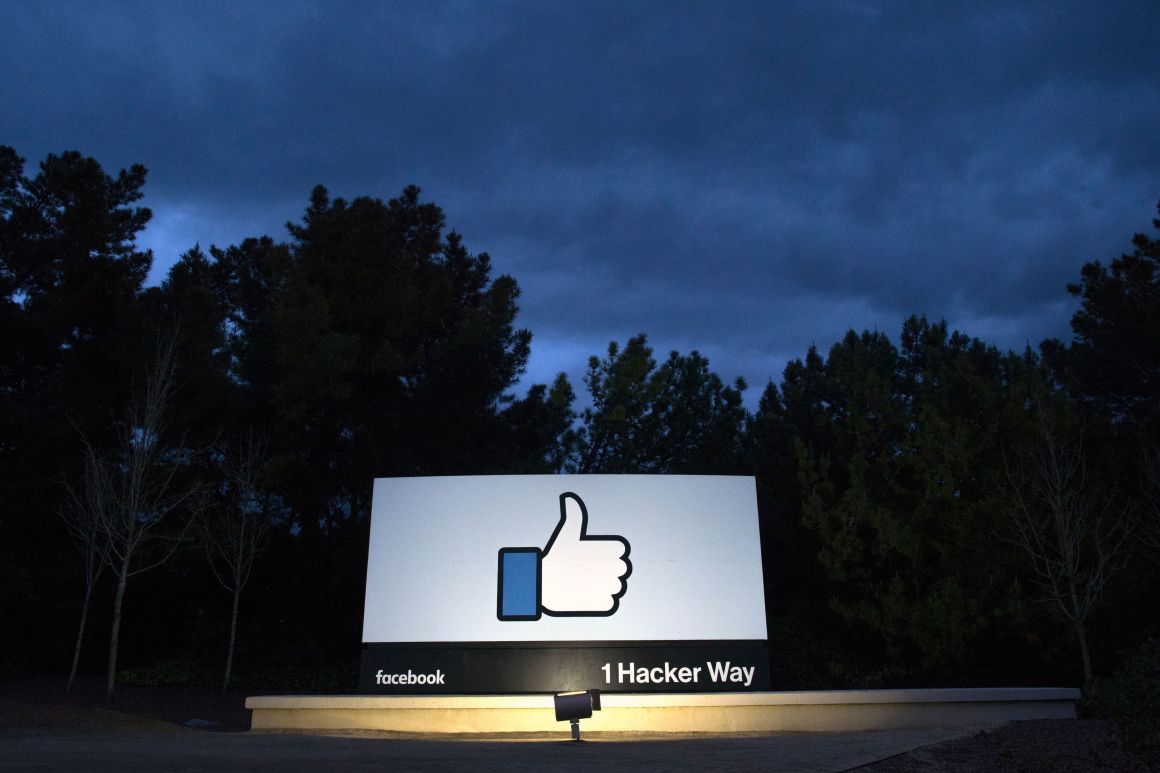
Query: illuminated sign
pixel 548 582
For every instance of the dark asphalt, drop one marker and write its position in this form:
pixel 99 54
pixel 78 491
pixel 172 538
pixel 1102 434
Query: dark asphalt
pixel 179 749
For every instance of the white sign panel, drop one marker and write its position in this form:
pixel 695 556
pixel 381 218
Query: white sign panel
pixel 593 558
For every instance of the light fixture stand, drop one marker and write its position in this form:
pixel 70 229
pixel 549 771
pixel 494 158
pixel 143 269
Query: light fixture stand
pixel 575 706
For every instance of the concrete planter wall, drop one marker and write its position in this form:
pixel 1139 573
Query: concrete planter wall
pixel 827 711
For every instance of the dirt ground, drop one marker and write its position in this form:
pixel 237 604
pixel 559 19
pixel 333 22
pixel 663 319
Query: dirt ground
pixel 1032 746
pixel 40 707
pixel 42 704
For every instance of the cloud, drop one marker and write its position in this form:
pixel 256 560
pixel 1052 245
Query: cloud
pixel 741 178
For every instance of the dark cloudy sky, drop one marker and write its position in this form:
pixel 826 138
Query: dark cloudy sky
pixel 743 179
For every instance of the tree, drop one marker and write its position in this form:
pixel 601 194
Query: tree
pixel 372 344
pixel 191 301
pixel 678 418
pixel 69 275
pixel 1150 515
pixel 611 438
pixel 1076 539
pixel 140 485
pixel 1110 372
pixel 1114 358
pixel 251 279
pixel 234 533
pixel 394 350
pixel 533 430
pixel 85 502
pixel 896 463
pixel 805 633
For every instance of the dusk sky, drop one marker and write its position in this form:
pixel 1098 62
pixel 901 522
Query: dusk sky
pixel 744 179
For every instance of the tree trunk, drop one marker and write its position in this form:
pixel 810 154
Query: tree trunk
pixel 114 637
pixel 233 636
pixel 1081 634
pixel 72 674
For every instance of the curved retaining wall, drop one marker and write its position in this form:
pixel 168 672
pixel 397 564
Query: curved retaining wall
pixel 827 711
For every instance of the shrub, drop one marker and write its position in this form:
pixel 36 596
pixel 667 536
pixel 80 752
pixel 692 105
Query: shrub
pixel 1131 700
pixel 170 673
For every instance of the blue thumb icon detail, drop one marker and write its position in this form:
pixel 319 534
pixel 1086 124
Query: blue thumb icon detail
pixel 519 584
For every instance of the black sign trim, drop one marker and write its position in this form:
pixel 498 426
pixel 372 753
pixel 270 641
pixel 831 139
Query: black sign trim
pixel 497 668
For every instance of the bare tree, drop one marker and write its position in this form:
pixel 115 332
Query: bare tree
pixel 84 502
pixel 1150 507
pixel 141 490
pixel 1076 539
pixel 235 533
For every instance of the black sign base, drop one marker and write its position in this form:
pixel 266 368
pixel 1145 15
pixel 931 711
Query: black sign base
pixel 507 668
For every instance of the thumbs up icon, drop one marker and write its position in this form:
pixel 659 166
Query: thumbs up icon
pixel 575 575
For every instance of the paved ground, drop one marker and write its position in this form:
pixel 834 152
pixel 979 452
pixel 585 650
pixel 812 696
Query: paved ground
pixel 179 749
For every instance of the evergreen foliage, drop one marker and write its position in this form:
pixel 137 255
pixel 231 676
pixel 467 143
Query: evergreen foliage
pixel 371 341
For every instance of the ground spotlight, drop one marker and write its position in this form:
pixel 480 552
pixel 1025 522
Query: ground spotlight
pixel 575 706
